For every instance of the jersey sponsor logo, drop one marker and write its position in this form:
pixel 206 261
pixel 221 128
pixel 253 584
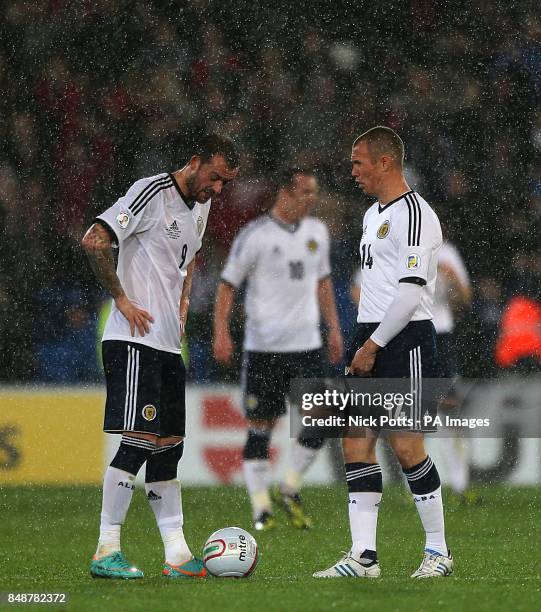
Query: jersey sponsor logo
pixel 413 262
pixel 173 231
pixel 312 245
pixel 383 230
pixel 149 412
pixel 200 225
pixel 123 219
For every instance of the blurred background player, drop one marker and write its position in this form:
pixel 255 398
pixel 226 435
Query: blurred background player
pixel 395 338
pixel 284 257
pixel 158 227
pixel 452 297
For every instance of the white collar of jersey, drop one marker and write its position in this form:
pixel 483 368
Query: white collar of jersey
pixel 189 203
pixel 382 208
pixel 289 227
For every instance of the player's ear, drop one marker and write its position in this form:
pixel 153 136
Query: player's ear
pixel 386 162
pixel 195 163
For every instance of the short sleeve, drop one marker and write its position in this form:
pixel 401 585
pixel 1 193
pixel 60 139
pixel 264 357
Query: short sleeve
pixel 419 239
pixel 324 261
pixel 133 212
pixel 242 257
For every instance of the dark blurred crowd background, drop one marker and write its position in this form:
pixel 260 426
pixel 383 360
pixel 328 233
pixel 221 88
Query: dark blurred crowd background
pixel 96 94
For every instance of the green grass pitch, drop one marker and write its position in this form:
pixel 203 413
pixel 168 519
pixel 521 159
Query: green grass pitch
pixel 48 535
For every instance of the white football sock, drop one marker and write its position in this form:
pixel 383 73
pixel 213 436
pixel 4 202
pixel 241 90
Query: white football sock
pixel 456 456
pixel 301 458
pixel 257 473
pixel 166 502
pixel 363 521
pixel 118 487
pixel 430 509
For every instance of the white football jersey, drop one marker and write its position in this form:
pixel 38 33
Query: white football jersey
pixel 400 243
pixel 444 320
pixel 282 265
pixel 158 234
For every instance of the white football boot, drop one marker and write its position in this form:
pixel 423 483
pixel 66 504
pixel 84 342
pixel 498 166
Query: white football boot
pixel 348 567
pixel 435 565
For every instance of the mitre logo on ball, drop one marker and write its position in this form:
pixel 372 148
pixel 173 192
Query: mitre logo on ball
pixel 230 553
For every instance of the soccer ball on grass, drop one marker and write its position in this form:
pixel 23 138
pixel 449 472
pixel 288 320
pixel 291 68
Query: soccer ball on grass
pixel 230 552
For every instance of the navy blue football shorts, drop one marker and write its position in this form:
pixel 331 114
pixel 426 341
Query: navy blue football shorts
pixel 266 377
pixel 145 389
pixel 411 354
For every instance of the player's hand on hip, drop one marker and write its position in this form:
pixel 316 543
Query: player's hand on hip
pixel 136 317
pixel 362 363
pixel 222 347
pixel 335 346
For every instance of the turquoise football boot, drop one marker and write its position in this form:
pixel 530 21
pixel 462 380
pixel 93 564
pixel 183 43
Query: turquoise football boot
pixel 114 566
pixel 194 568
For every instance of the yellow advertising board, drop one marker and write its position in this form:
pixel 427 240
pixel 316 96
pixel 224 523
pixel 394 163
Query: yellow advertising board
pixel 51 436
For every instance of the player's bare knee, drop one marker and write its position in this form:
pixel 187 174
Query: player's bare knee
pixel 408 451
pixel 359 449
pixel 142 435
pixel 168 440
pixel 261 424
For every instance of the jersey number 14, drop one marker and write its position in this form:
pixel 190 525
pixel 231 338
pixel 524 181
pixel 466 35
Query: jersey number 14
pixel 366 258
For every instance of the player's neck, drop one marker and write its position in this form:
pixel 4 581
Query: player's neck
pixel 392 190
pixel 281 213
pixel 180 178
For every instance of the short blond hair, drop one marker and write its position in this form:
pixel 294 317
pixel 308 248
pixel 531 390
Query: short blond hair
pixel 382 140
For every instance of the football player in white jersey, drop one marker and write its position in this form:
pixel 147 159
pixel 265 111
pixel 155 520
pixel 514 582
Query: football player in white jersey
pixel 395 338
pixel 284 257
pixel 158 228
pixel 453 295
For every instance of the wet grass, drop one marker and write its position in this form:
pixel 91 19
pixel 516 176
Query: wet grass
pixel 47 536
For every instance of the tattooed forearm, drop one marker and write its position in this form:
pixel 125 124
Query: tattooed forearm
pixel 97 245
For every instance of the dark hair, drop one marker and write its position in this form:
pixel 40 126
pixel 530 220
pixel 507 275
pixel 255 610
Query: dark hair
pixel 213 144
pixel 382 140
pixel 285 178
